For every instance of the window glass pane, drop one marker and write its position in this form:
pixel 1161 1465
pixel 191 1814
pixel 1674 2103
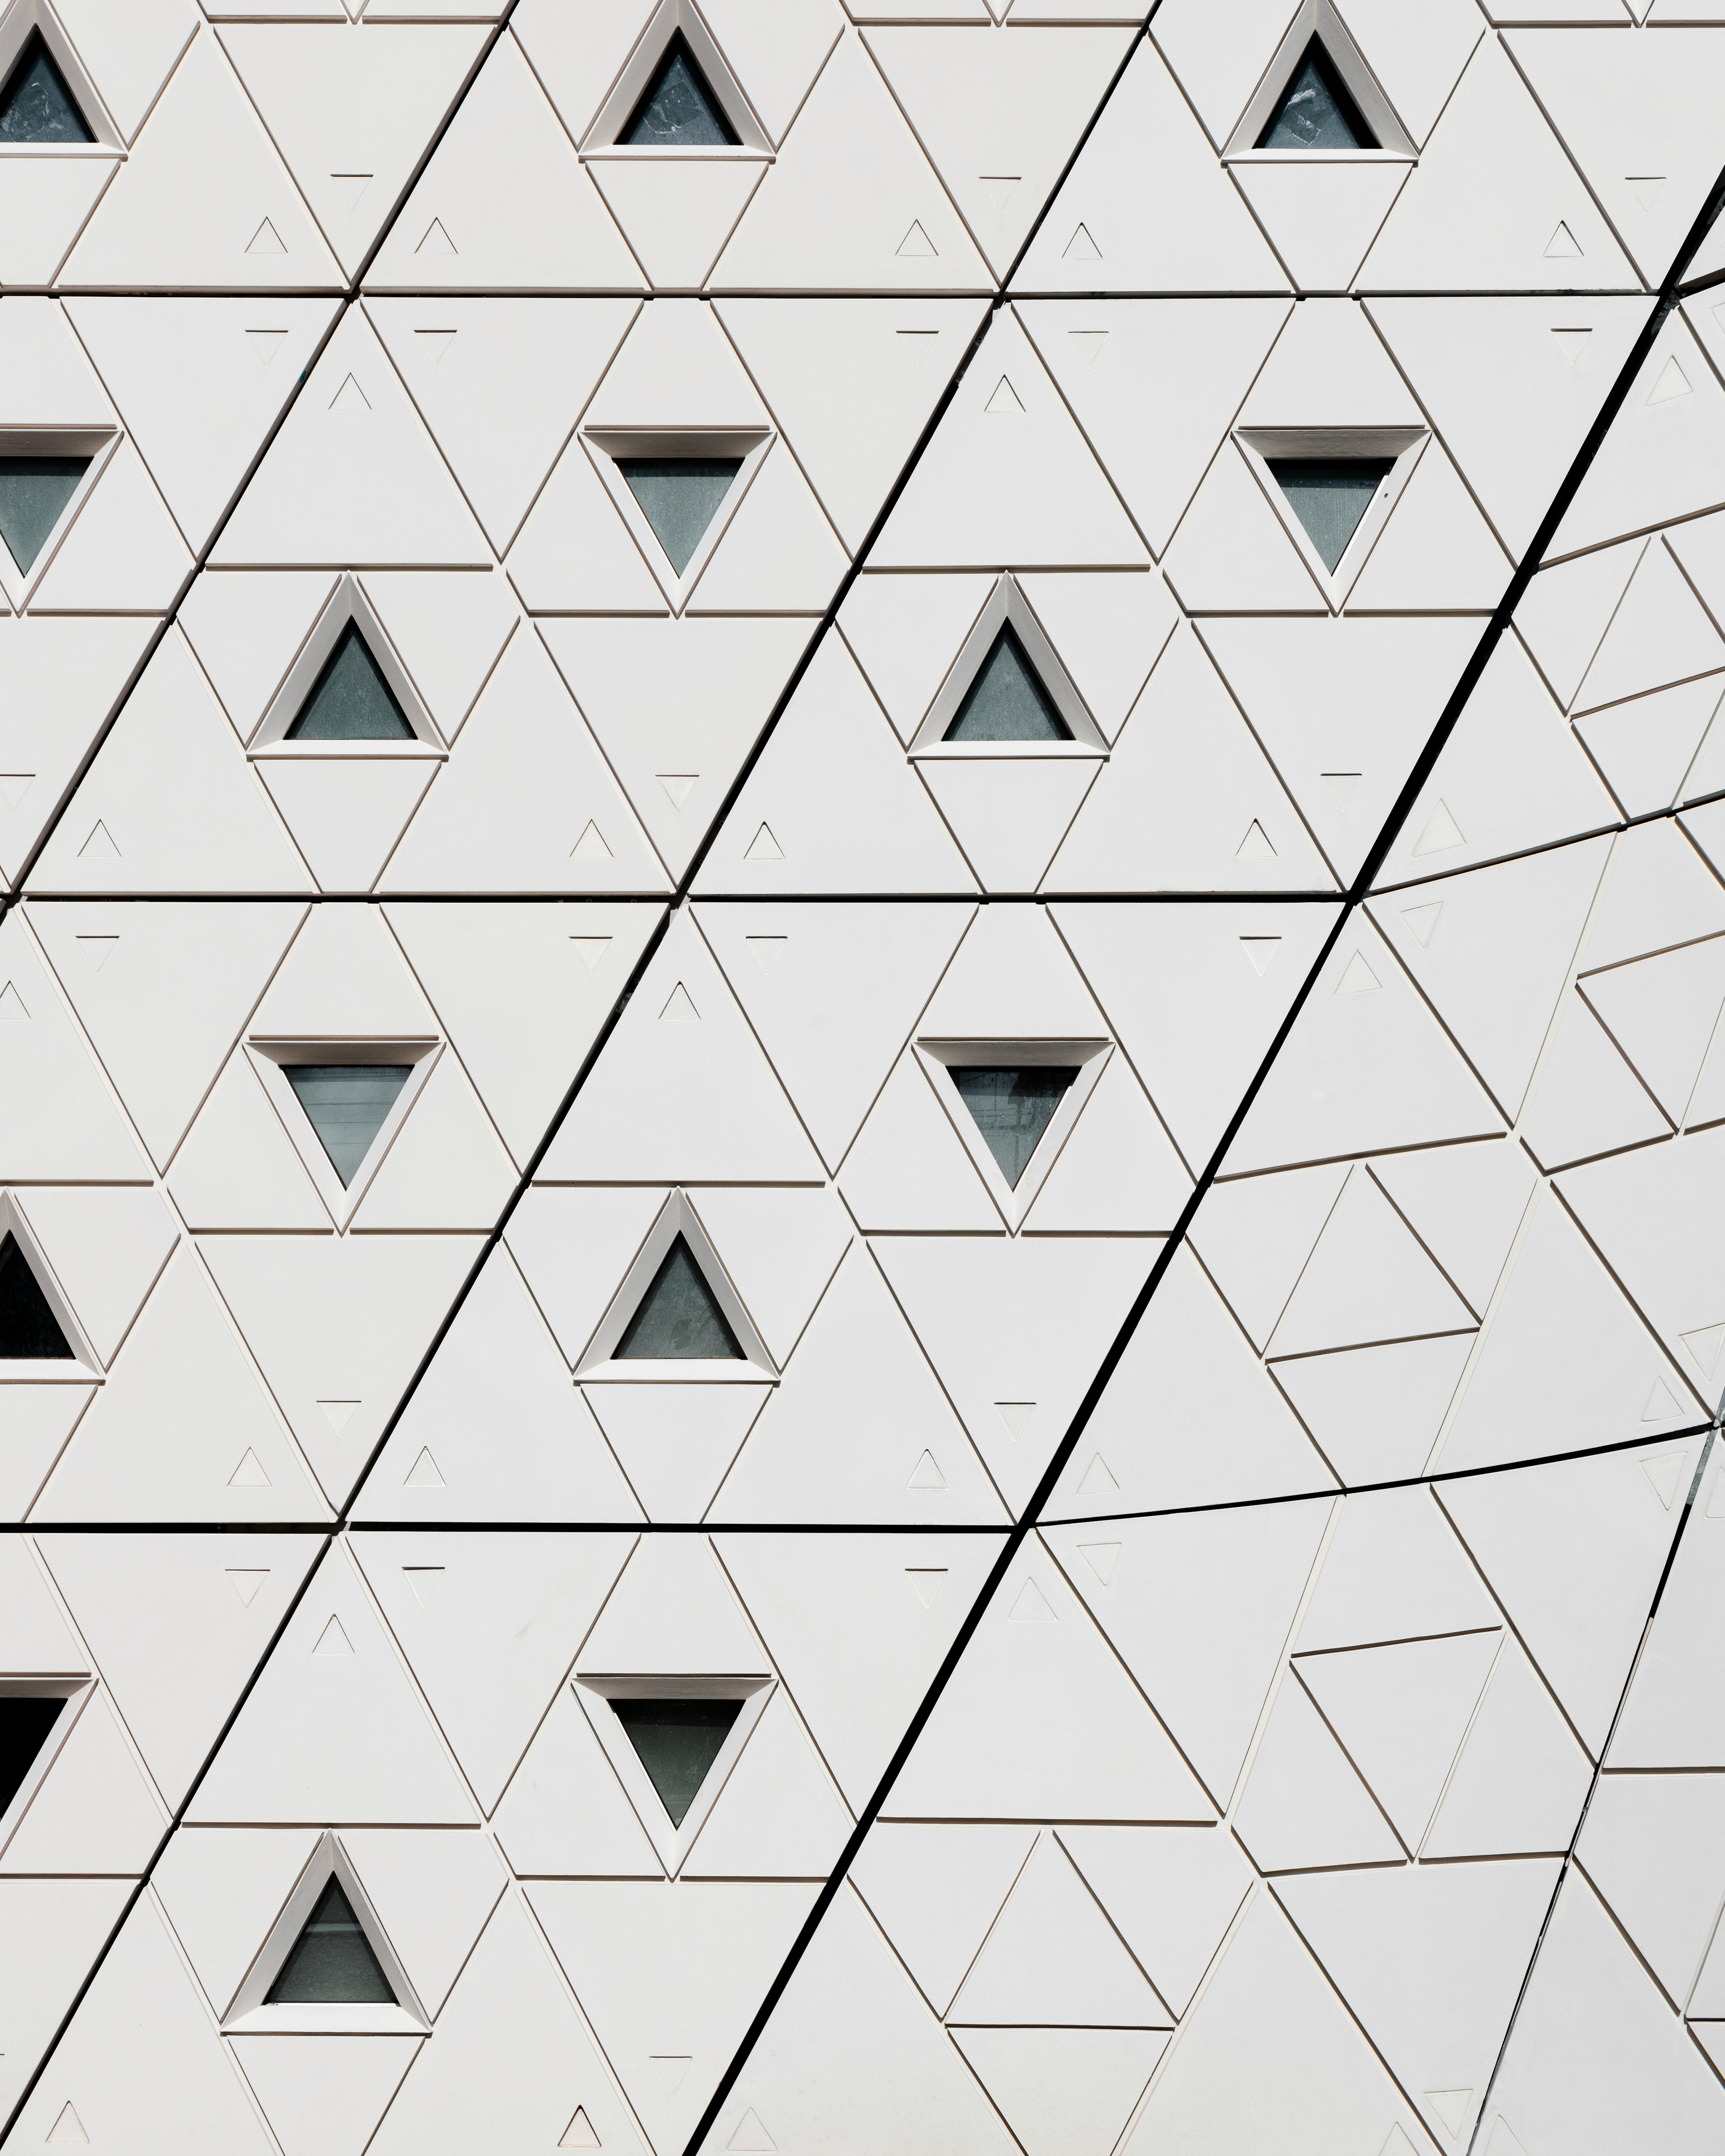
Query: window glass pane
pixel 36 105
pixel 678 108
pixel 350 699
pixel 1007 701
pixel 678 1321
pixel 680 497
pixel 1329 495
pixel 346 1104
pixel 1012 1108
pixel 1317 111
pixel 331 1962
pixel 677 1741
pixel 29 1331
pixel 24 1726
pixel 33 493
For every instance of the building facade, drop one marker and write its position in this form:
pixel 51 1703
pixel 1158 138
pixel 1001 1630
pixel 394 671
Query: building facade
pixel 861 1110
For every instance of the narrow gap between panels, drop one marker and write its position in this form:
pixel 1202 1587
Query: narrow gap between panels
pixel 1354 897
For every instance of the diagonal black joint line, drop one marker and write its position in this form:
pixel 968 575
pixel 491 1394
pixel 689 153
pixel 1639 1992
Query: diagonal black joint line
pixel 1668 296
pixel 161 1849
pixel 349 298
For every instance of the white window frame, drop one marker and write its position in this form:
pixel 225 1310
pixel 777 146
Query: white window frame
pixel 595 1691
pixel 598 1364
pixel 1005 606
pixel 938 1057
pixel 347 602
pixel 1402 445
pixel 16 24
pixel 85 1367
pixel 76 1692
pixel 607 445
pixel 752 145
pixel 99 444
pixel 271 1057
pixel 1317 18
pixel 247 2013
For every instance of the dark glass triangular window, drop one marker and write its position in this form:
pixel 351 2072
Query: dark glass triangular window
pixel 25 1725
pixel 345 1104
pixel 677 1741
pixel 680 497
pixel 35 104
pixel 1329 495
pixel 1316 111
pixel 33 495
pixel 678 109
pixel 1012 1108
pixel 29 1331
pixel 678 1321
pixel 332 1964
pixel 350 699
pixel 1007 702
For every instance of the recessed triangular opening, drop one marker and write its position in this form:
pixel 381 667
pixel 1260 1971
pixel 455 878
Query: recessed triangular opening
pixel 677 1741
pixel 30 1331
pixel 679 1319
pixel 350 699
pixel 1329 495
pixel 1007 701
pixel 33 495
pixel 345 1104
pixel 680 496
pixel 678 110
pixel 1013 1106
pixel 331 1961
pixel 1316 110
pixel 25 1727
pixel 36 104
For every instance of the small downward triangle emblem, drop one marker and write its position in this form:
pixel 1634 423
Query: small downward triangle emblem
pixel 1452 2106
pixel 1664 1472
pixel 926 1582
pixel 332 1640
pixel 998 187
pixel 266 240
pixel 1260 950
pixel 1016 1415
pixel 1101 1558
pixel 245 1585
pixel 266 343
pixel 915 241
pixel 350 398
pixel 338 1413
pixel 1005 399
pixel 1660 1406
pixel 1704 1344
pixel 1081 248
pixel 679 785
pixel 1422 922
pixel 590 949
pixel 436 241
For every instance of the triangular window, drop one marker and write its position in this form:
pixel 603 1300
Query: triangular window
pixel 36 104
pixel 1007 701
pixel 677 1741
pixel 1316 110
pixel 1012 1108
pixel 346 1104
pixel 29 1331
pixel 678 1321
pixel 678 109
pixel 1329 495
pixel 680 496
pixel 331 1962
pixel 33 495
pixel 350 699
pixel 25 1727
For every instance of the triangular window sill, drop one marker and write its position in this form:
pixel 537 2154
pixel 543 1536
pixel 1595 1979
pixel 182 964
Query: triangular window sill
pixel 348 751
pixel 1320 158
pixel 679 153
pixel 676 1370
pixel 333 2019
pixel 110 151
pixel 994 752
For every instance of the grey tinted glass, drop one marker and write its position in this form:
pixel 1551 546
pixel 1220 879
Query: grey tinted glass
pixel 331 1962
pixel 350 699
pixel 33 491
pixel 1006 701
pixel 24 1725
pixel 35 104
pixel 1316 111
pixel 680 497
pixel 29 1331
pixel 1329 495
pixel 677 1741
pixel 345 1104
pixel 1012 1108
pixel 679 107
pixel 678 1321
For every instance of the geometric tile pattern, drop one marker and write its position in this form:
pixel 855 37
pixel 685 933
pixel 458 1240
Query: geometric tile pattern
pixel 1219 1629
